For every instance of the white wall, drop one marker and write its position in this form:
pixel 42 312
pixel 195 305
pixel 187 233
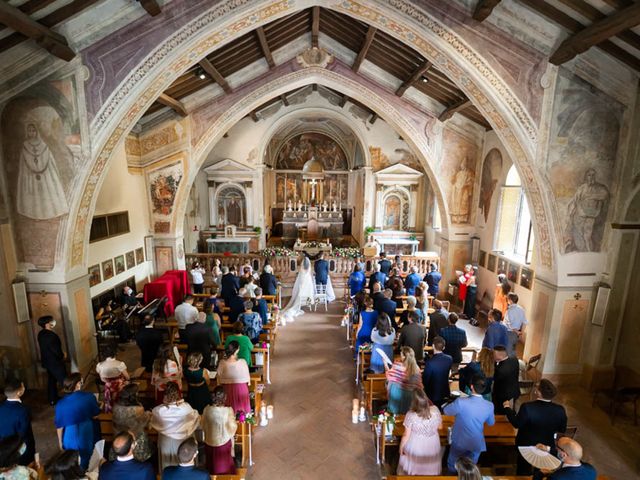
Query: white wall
pixel 122 191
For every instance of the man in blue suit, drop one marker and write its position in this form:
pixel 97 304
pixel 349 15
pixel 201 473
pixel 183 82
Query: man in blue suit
pixel 16 419
pixel 321 269
pixel 412 281
pixel 435 377
pixel 378 277
pixel 187 453
pixel 125 466
pixel 357 280
pixel 467 437
pixel 497 333
pixel 433 279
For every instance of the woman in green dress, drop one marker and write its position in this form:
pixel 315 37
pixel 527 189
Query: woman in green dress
pixel 212 321
pixel 198 380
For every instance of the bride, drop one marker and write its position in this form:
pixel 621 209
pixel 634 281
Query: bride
pixel 304 292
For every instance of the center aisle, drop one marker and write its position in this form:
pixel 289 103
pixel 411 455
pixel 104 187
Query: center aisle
pixel 311 435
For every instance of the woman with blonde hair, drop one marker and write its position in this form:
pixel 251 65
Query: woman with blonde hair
pixel 403 378
pixel 420 444
pixel 483 366
pixel 198 381
pixel 219 426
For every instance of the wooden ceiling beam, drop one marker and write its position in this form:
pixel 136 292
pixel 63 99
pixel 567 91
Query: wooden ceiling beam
pixel 315 26
pixel 213 72
pixel 51 41
pixel 264 45
pixel 418 72
pixel 484 8
pixel 175 105
pixel 283 99
pixel 596 33
pixel 151 6
pixel 373 118
pixel 457 107
pixel 366 44
pixel 618 3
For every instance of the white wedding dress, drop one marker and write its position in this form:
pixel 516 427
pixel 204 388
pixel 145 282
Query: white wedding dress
pixel 304 292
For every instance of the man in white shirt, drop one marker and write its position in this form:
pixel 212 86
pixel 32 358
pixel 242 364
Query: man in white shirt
pixel 516 321
pixel 185 314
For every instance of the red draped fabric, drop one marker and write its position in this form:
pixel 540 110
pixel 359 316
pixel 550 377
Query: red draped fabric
pixel 173 284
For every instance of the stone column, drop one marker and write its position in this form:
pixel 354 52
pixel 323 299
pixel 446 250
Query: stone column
pixel 213 210
pixel 413 206
pixel 369 199
pixel 260 202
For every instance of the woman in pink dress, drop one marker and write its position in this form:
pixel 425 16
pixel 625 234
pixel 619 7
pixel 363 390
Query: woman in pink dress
pixel 233 375
pixel 420 444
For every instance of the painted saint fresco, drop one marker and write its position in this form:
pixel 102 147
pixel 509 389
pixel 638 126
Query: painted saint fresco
pixel 163 184
pixel 458 171
pixel 231 207
pixel 491 170
pixel 299 149
pixel 392 213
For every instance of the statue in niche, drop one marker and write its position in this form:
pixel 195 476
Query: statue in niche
pixel 462 192
pixel 586 213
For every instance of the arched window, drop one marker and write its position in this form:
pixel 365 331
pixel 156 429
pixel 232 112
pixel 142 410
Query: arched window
pixel 514 232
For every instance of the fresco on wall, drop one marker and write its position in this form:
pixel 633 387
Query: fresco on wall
pixel 491 170
pixel 581 162
pixel 391 220
pixel 163 188
pixel 42 150
pixel 231 207
pixel 404 156
pixel 299 149
pixel 280 188
pixel 336 188
pixel 292 186
pixel 458 170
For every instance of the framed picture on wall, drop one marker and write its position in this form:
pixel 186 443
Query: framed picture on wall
pixel 130 257
pixel 120 266
pixel 503 265
pixel 491 262
pixel 512 272
pixel 482 259
pixel 139 255
pixel 526 278
pixel 107 269
pixel 94 275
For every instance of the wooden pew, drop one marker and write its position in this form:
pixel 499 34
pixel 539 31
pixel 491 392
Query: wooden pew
pixel 375 388
pixel 443 477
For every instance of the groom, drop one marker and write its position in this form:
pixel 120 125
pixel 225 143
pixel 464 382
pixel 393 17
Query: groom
pixel 321 268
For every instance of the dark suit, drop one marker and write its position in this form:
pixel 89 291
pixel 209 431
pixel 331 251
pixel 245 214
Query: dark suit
pixel 505 383
pixel 268 283
pixel 455 340
pixel 229 286
pixel 387 306
pixel 321 269
pixel 412 335
pixel 16 420
pixel 583 472
pixel 435 378
pixel 149 341
pixel 260 306
pixel 52 359
pixel 433 280
pixel 236 307
pixel 178 472
pixel 385 266
pixel 117 470
pixel 377 277
pixel 200 338
pixel 537 422
pixel 437 321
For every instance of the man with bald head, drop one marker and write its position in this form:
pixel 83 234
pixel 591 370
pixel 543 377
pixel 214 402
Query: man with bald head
pixel 125 466
pixel 572 467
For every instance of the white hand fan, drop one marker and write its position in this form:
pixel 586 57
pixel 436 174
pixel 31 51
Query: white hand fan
pixel 539 458
pixel 385 357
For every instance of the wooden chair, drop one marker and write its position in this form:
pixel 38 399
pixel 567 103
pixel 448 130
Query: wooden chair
pixel 375 388
pixel 533 375
pixel 321 297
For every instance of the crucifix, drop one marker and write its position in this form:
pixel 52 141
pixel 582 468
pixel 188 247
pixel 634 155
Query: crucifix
pixel 313 184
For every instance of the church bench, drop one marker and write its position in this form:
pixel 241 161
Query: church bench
pixel 445 477
pixel 375 388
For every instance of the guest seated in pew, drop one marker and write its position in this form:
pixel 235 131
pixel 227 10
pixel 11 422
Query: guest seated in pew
pixel 197 377
pixel 185 314
pixel 506 386
pixel 175 421
pixel 435 376
pixel 200 338
pixel 233 375
pixel 268 281
pixel 572 467
pixel 382 337
pixel 420 444
pixel 467 436
pixel 149 341
pixel 367 321
pixel 467 470
pixel 484 367
pixel 10 468
pixel 236 304
pixel 74 419
pixel 537 422
pixel 65 465
pixel 16 419
pixel 377 276
pixel 412 281
pixel 219 426
pixel 437 321
pixel 113 374
pixel 186 470
pixel 411 308
pixel 250 287
pixel 455 340
pixel 397 289
pixel 252 322
pixel 212 322
pixel 412 335
pixel 357 280
pixel 166 370
pixel 129 415
pixel 243 341
pixel 230 284
pixel 125 466
pixel 260 306
pixel 387 306
pixel 376 293
pixel 403 378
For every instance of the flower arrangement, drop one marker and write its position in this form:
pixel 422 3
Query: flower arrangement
pixel 243 417
pixel 365 347
pixel 276 252
pixel 346 252
pixel 387 419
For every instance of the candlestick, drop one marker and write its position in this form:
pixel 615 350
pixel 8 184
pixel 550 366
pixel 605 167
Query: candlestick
pixel 356 403
pixel 270 412
pixel 362 417
pixel 354 416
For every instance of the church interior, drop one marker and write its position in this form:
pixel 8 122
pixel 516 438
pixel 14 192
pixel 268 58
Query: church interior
pixel 152 150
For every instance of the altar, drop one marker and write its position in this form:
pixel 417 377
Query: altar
pixel 312 223
pixel 228 244
pixel 398 246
